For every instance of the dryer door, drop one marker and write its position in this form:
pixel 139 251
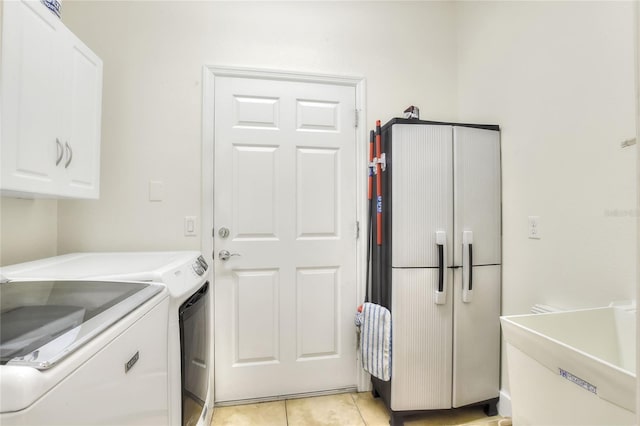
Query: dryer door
pixel 194 348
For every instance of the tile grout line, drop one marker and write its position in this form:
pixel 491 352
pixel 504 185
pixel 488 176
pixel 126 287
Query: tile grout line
pixel 286 413
pixel 358 408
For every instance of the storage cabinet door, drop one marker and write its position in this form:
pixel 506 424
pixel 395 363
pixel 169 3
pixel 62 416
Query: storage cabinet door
pixel 421 194
pixel 82 111
pixel 476 337
pixel 477 202
pixel 422 341
pixel 30 97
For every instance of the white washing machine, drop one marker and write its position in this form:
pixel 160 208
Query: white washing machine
pixel 91 382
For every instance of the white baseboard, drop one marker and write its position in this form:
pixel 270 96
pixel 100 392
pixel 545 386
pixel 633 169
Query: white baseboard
pixel 504 405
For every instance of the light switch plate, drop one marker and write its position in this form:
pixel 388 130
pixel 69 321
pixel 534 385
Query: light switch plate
pixel 534 228
pixel 156 190
pixel 190 226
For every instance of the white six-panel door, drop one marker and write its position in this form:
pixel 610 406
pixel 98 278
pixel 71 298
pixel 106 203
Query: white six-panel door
pixel 285 178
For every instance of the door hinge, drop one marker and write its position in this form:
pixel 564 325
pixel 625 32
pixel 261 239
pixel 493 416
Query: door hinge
pixel 357 117
pixel 357 229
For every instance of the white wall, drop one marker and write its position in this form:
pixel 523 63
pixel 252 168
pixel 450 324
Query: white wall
pixel 154 52
pixel 28 230
pixel 559 79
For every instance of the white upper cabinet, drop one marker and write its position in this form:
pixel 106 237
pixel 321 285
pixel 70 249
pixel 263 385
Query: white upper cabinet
pixel 81 119
pixel 51 107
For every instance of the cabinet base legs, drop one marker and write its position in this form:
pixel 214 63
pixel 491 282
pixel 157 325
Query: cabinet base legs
pixel 491 408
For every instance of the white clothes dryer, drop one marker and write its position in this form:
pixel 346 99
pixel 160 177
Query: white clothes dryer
pixel 183 339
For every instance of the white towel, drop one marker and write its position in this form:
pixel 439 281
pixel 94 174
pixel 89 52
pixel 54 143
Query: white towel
pixel 375 340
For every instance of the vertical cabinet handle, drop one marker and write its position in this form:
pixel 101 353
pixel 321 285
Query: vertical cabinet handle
pixel 70 152
pixel 59 151
pixel 467 266
pixel 441 292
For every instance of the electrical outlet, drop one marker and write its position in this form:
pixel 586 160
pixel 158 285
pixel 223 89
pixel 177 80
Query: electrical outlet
pixel 534 227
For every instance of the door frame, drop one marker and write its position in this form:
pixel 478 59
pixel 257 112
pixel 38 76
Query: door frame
pixel 209 75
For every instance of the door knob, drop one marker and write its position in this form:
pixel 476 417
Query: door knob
pixel 223 232
pixel 225 254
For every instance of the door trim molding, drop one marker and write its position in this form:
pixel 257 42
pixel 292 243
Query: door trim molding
pixel 265 74
pixel 209 75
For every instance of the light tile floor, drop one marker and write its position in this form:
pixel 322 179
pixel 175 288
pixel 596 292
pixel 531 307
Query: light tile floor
pixel 347 409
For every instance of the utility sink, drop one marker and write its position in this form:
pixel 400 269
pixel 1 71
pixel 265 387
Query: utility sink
pixel 573 367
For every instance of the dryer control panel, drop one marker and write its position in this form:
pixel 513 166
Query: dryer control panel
pixel 200 266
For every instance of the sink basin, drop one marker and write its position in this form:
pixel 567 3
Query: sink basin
pixel 573 367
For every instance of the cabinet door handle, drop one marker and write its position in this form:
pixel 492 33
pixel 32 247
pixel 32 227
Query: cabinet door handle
pixel 59 150
pixel 70 151
pixel 467 266
pixel 441 293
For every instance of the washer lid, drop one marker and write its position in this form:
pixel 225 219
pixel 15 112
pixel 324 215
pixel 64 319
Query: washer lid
pixel 41 322
pixel 108 266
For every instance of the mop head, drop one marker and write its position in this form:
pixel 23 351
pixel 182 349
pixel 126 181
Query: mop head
pixel 374 324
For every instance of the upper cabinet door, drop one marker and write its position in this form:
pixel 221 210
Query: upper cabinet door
pixel 82 115
pixel 51 107
pixel 31 96
pixel 477 194
pixel 421 194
